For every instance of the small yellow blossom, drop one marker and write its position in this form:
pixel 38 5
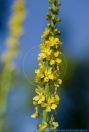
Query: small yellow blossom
pixel 40 72
pixel 54 125
pixel 44 46
pixel 46 33
pixel 39 98
pixel 52 62
pixel 44 73
pixel 56 54
pixel 42 126
pixel 41 56
pixel 54 41
pixel 45 54
pixel 52 102
pixel 58 60
pixel 57 83
pixel 35 115
pixel 39 90
pixel 48 75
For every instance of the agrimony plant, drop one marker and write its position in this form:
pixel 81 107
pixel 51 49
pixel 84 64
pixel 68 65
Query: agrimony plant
pixel 48 74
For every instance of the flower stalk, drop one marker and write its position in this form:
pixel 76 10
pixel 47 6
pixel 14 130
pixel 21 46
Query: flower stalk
pixel 12 43
pixel 48 76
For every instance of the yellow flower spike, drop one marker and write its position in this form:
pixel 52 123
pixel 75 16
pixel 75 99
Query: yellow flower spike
pixel 12 42
pixel 48 73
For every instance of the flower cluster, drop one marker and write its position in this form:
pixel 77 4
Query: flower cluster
pixel 48 76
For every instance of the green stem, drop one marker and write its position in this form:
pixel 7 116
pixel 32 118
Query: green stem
pixel 44 116
pixel 47 93
pixel 4 89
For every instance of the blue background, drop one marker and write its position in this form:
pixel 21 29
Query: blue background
pixel 73 112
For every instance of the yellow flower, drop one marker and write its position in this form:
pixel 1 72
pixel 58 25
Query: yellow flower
pixel 54 41
pixel 45 54
pixel 41 56
pixel 39 98
pixel 39 90
pixel 52 102
pixel 35 115
pixel 44 73
pixel 40 72
pixel 56 54
pixel 58 60
pixel 48 75
pixel 52 62
pixel 44 46
pixel 47 51
pixel 46 33
pixel 42 126
pixel 57 83
pixel 54 125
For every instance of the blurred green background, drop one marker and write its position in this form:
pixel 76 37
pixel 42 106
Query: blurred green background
pixel 73 110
